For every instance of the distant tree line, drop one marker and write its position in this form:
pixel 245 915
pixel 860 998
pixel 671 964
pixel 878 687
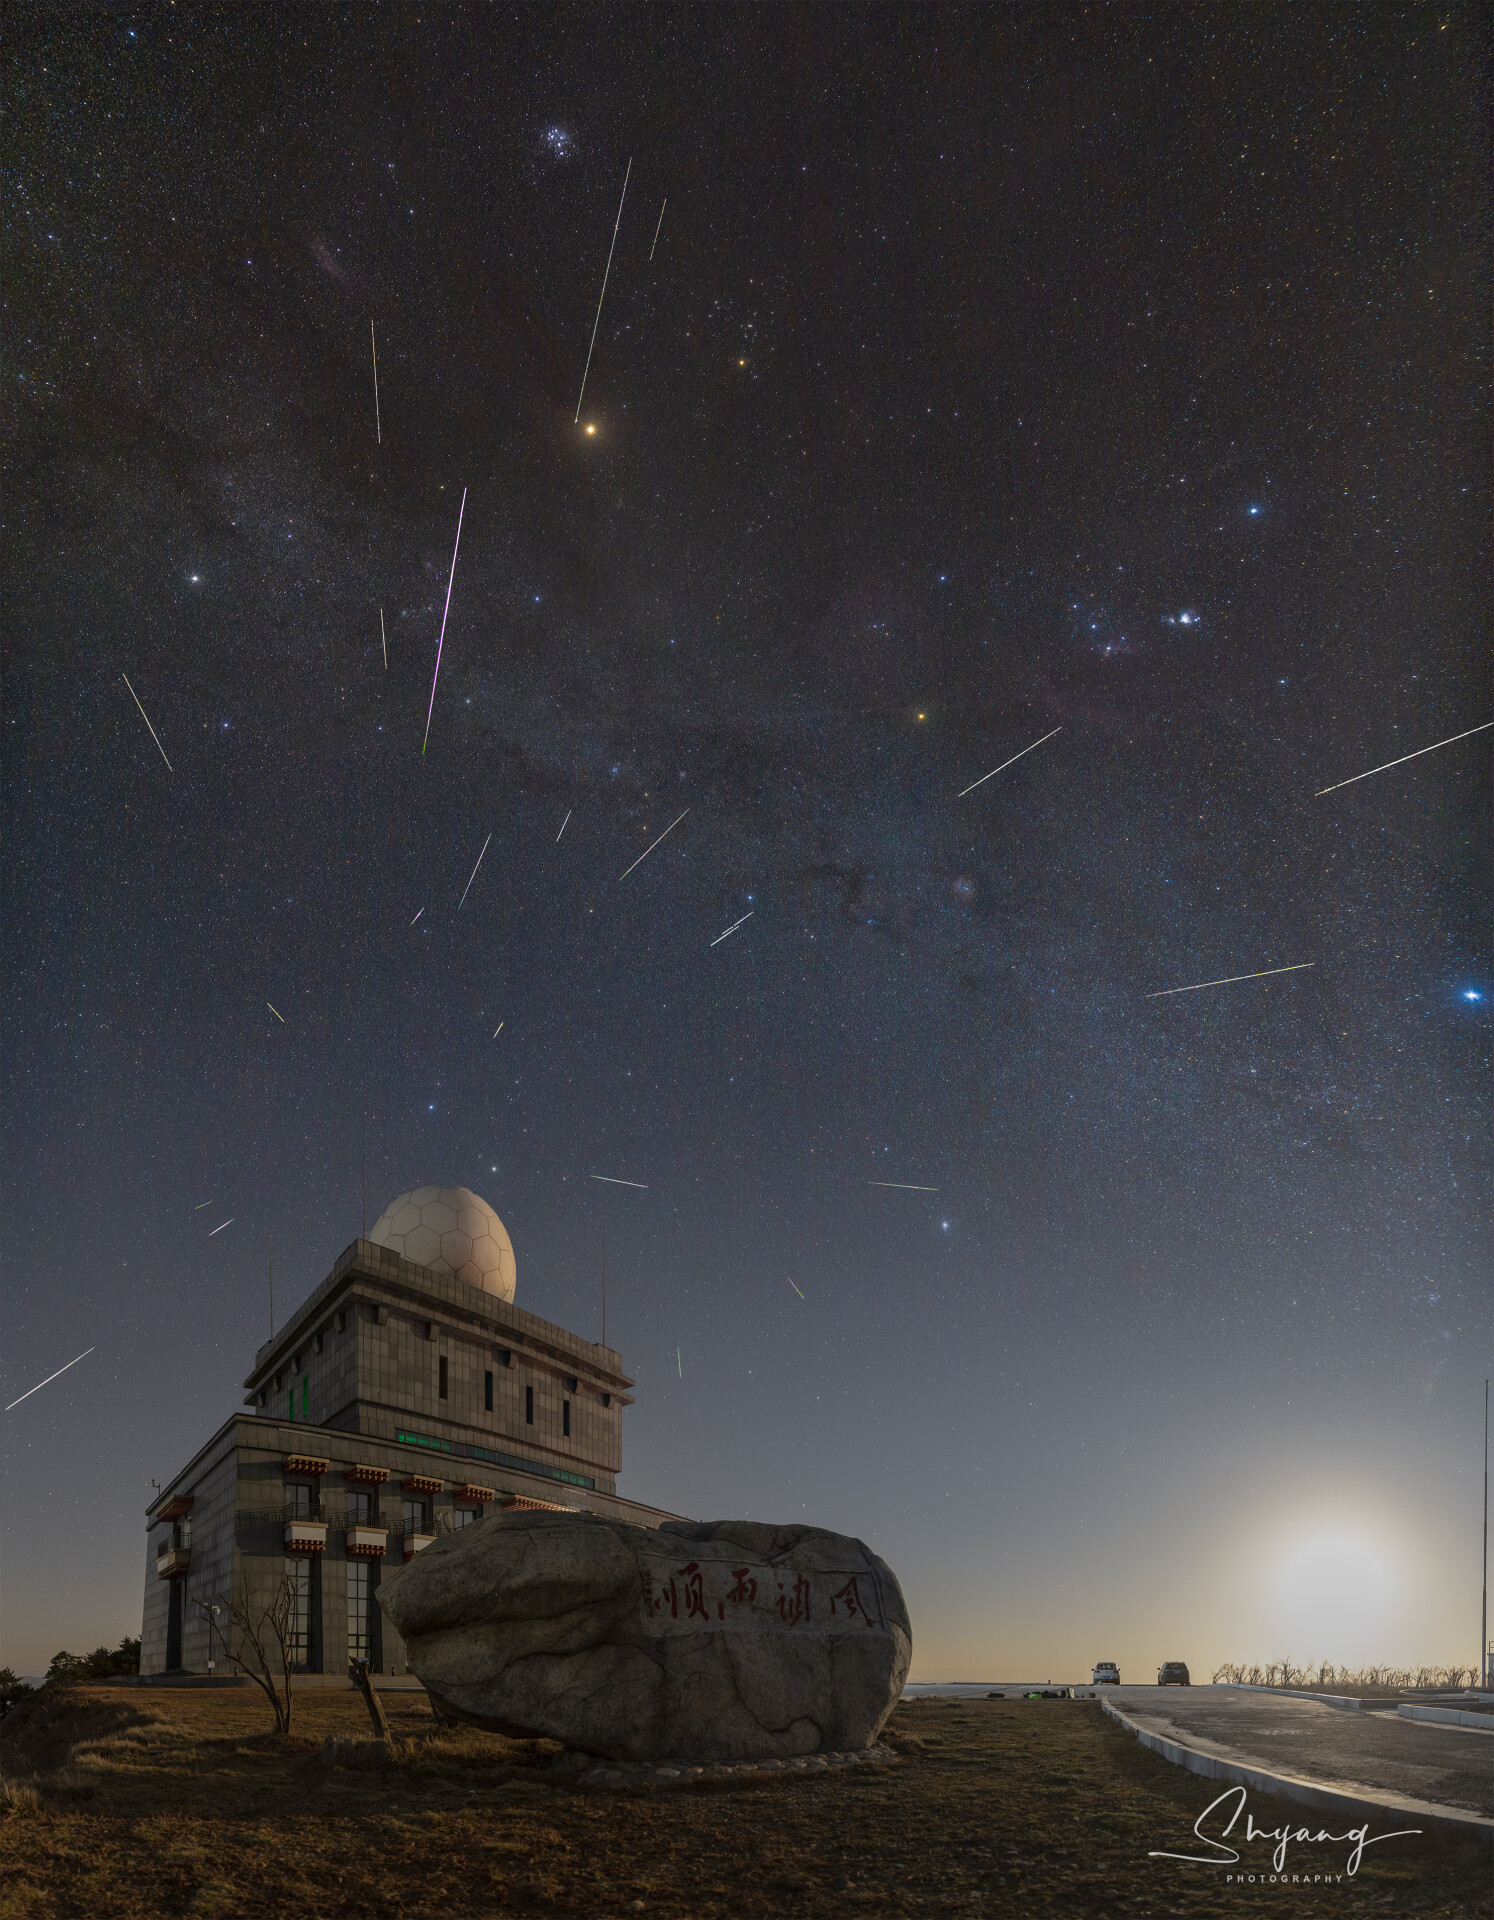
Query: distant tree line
pixel 67 1669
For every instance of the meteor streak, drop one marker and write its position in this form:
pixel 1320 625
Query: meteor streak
pixel 378 428
pixel 169 768
pixel 679 1363
pixel 217 1230
pixel 447 609
pixel 603 294
pixel 563 825
pixel 649 849
pixel 277 1013
pixel 49 1379
pixel 620 1183
pixel 1396 763
pixel 902 1186
pixel 468 888
pixel 498 1029
pixel 383 640
pixel 422 910
pixel 732 928
pixel 656 229
pixel 200 1205
pixel 796 1290
pixel 1265 974
pixel 1004 765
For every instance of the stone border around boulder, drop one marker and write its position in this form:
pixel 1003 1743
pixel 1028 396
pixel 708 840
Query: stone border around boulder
pixel 609 1776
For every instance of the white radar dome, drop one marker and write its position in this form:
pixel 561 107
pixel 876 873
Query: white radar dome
pixel 450 1230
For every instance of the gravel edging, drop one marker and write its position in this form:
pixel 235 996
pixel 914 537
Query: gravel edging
pixel 609 1776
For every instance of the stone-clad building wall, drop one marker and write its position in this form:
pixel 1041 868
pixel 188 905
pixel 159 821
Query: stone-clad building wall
pixel 354 1380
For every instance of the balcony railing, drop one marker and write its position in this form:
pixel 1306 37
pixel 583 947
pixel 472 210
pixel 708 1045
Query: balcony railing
pixel 173 1562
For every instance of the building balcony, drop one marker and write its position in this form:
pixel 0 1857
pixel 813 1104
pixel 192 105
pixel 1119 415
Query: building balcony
pixel 473 1496
pixel 172 1562
pixel 305 1536
pixel 367 1543
pixel 417 1543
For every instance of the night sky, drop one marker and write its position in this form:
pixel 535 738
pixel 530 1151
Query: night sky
pixel 1121 371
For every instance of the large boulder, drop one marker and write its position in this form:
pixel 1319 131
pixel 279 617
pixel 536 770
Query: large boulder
pixel 726 1640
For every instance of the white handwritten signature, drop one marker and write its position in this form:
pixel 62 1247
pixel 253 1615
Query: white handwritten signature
pixel 1224 1856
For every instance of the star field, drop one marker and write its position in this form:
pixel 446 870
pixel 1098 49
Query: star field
pixel 994 373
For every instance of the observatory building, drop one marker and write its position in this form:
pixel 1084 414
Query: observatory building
pixel 407 1397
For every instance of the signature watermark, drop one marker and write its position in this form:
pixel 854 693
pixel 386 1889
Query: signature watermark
pixel 1225 1855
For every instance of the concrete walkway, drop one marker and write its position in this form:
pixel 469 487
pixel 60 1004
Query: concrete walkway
pixel 1375 1757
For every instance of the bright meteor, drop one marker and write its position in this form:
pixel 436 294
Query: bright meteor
pixel 603 294
pixel 447 609
pixel 49 1379
pixel 1389 763
pixel 649 849
pixel 154 736
pixel 902 1186
pixel 1004 765
pixel 1265 974
pixel 468 888
pixel 620 1183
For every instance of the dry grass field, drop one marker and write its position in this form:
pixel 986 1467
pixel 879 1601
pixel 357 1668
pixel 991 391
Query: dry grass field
pixel 133 1803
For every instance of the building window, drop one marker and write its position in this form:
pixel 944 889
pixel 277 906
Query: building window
pixel 305 1396
pixel 361 1509
pixel 487 1392
pixel 529 1406
pixel 565 1418
pixel 301 1501
pixel 298 1580
pixel 357 1609
pixel 464 1517
pixel 441 1371
pixel 417 1516
pixel 290 1404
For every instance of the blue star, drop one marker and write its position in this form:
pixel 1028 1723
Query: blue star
pixel 1472 993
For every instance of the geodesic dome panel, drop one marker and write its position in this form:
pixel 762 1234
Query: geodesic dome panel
pixel 451 1231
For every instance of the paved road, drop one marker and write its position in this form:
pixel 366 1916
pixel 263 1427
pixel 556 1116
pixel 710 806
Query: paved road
pixel 1379 1751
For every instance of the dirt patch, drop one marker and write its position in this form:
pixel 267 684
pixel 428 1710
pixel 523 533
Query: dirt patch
pixel 1033 1810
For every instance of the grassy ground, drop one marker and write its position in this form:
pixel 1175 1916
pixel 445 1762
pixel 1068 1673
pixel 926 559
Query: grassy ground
pixel 128 1803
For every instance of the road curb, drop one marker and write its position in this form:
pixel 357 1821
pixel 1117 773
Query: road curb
pixel 1358 1801
pixel 1449 1717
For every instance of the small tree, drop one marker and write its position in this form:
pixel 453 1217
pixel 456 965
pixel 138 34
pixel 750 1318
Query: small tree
pixel 13 1690
pixel 265 1637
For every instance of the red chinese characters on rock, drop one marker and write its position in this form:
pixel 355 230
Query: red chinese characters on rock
pixel 793 1603
pixel 714 1593
pixel 695 1607
pixel 849 1598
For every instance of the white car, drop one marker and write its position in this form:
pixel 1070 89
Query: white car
pixel 1107 1674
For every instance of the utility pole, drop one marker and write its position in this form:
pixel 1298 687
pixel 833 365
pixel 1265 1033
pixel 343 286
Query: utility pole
pixel 1483 1611
pixel 604 1328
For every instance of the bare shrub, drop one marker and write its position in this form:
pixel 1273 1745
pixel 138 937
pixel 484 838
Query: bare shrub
pixel 19 1799
pixel 1282 1673
pixel 264 1636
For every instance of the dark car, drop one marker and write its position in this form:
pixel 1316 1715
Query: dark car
pixel 1172 1673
